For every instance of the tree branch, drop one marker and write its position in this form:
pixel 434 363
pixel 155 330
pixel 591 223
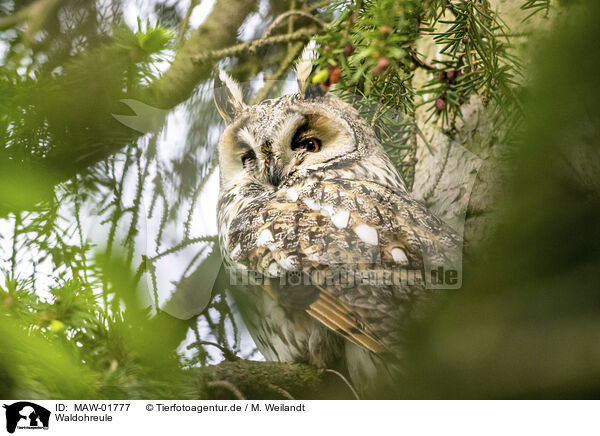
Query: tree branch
pixel 186 22
pixel 251 46
pixel 285 66
pixel 420 63
pixel 283 16
pixel 35 13
pixel 269 380
pixel 173 87
pixel 218 31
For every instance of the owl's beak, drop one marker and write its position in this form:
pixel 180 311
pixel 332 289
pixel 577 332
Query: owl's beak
pixel 273 172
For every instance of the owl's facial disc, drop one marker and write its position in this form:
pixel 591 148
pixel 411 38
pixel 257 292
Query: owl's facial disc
pixel 305 138
pixel 310 138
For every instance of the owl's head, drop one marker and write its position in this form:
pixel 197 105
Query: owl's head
pixel 277 141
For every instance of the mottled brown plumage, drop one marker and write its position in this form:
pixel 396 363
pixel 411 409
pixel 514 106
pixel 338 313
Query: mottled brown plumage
pixel 309 200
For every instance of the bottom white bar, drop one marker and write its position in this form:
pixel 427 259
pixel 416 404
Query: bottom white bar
pixel 297 417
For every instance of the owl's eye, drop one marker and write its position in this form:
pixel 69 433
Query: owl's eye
pixel 248 157
pixel 311 144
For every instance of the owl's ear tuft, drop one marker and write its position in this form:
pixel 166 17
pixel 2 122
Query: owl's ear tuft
pixel 305 65
pixel 228 96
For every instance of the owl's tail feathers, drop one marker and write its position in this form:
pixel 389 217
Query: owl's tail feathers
pixel 336 316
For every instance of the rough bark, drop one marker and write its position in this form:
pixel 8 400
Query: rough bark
pixel 461 181
pixel 269 381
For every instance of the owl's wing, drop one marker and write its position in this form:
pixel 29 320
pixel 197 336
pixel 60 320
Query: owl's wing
pixel 311 240
pixel 340 318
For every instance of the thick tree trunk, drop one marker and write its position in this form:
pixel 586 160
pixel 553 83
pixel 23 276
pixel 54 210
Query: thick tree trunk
pixel 463 178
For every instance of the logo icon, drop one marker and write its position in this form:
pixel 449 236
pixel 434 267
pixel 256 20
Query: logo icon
pixel 26 415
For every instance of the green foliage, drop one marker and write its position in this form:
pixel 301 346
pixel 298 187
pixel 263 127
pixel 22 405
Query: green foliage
pixel 103 353
pixel 370 51
pixel 525 324
pixel 364 53
pixel 370 43
pixel 85 331
pixel 89 319
pixel 47 117
pixel 476 61
pixel 536 6
pixel 154 40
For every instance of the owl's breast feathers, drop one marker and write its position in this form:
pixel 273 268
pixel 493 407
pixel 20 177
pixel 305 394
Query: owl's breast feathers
pixel 313 241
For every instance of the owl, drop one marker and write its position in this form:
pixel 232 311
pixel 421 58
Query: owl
pixel 326 250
